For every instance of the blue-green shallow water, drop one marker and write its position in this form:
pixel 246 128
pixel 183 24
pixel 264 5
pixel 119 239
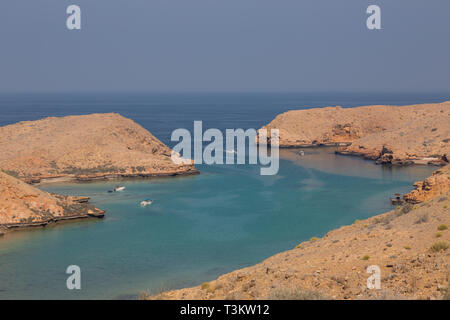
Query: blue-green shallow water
pixel 198 226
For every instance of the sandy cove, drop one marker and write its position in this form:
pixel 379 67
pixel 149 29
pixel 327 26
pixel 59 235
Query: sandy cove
pixel 409 244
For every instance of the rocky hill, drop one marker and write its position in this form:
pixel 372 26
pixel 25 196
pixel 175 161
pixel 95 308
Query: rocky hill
pixel 87 147
pixel 22 205
pixel 388 134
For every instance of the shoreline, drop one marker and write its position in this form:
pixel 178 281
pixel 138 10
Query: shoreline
pixel 10 227
pixel 107 177
pixel 428 161
pixel 90 214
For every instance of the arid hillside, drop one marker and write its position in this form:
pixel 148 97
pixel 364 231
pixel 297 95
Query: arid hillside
pixel 388 134
pixel 23 205
pixel 84 147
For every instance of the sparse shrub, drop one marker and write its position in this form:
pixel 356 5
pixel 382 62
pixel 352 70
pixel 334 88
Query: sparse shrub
pixel 295 294
pixel 407 208
pixel 314 239
pixel 445 293
pixel 423 218
pixel 366 257
pixel 445 206
pixel 442 227
pixel 438 234
pixel 366 226
pixel 407 247
pixel 208 287
pixel 356 221
pixel 438 246
pixel 205 285
pixel 298 246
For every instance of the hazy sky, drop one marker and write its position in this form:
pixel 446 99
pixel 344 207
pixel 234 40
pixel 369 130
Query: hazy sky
pixel 224 45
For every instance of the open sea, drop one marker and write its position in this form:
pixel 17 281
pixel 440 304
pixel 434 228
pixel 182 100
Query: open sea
pixel 202 226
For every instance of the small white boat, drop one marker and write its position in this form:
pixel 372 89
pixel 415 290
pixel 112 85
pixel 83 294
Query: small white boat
pixel 119 188
pixel 230 151
pixel 146 202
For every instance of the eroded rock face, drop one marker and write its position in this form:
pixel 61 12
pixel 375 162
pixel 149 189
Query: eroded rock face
pixel 387 134
pixel 23 205
pixel 84 147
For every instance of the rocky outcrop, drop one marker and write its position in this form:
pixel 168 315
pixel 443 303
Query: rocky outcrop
pixel 96 146
pixel 436 185
pixel 22 205
pixel 388 134
pixel 410 245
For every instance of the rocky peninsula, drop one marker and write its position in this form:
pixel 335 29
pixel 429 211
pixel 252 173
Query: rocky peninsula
pixel 387 134
pixel 409 244
pixel 23 205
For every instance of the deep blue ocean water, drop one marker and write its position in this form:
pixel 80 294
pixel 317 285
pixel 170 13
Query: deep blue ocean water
pixel 198 227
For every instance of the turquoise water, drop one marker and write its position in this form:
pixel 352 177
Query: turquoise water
pixel 198 227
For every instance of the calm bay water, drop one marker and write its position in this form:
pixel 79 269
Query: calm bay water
pixel 201 226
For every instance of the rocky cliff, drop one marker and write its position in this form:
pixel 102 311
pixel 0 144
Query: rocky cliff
pixel 436 185
pixel 95 146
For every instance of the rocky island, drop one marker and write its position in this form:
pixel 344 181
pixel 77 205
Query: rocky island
pixel 80 148
pixel 409 244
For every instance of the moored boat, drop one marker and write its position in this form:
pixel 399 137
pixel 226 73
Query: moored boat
pixel 146 202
